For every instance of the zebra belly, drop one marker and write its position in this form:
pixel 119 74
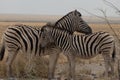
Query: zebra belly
pixel 86 57
pixel 85 51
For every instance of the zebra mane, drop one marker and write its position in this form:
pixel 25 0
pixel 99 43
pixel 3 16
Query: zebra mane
pixel 54 27
pixel 20 25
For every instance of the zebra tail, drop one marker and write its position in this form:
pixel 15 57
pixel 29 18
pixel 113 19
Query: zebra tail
pixel 2 51
pixel 114 54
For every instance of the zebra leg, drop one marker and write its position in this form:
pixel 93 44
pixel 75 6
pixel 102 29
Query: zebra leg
pixel 52 64
pixel 10 58
pixel 112 71
pixel 111 64
pixel 112 67
pixel 106 60
pixel 71 67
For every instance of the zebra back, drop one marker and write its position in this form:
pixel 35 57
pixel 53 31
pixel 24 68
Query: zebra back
pixel 85 46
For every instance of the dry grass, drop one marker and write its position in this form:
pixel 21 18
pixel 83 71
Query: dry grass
pixel 35 66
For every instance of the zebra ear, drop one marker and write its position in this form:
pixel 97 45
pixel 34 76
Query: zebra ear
pixel 47 29
pixel 50 24
pixel 75 10
pixel 77 13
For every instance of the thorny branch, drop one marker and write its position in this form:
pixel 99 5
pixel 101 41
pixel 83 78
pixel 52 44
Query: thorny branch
pixel 112 6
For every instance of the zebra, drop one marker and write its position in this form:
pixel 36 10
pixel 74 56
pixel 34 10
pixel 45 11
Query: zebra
pixel 21 37
pixel 71 22
pixel 16 38
pixel 82 46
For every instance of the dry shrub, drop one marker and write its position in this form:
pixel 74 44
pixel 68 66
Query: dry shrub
pixel 85 71
pixel 27 66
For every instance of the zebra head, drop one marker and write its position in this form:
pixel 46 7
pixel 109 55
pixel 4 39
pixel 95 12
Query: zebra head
pixel 79 24
pixel 45 37
pixel 73 22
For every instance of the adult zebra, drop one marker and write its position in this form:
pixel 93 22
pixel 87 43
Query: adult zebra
pixel 83 46
pixel 22 37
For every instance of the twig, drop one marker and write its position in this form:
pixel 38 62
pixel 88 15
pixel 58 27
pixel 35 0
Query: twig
pixel 112 6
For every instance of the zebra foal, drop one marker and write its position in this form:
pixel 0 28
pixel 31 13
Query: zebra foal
pixel 83 46
pixel 71 22
pixel 26 38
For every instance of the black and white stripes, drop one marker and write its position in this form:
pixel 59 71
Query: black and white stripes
pixel 83 46
pixel 87 46
pixel 72 22
pixel 27 38
pixel 22 37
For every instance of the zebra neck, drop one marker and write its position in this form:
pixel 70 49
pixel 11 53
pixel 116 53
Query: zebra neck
pixel 60 38
pixel 65 25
